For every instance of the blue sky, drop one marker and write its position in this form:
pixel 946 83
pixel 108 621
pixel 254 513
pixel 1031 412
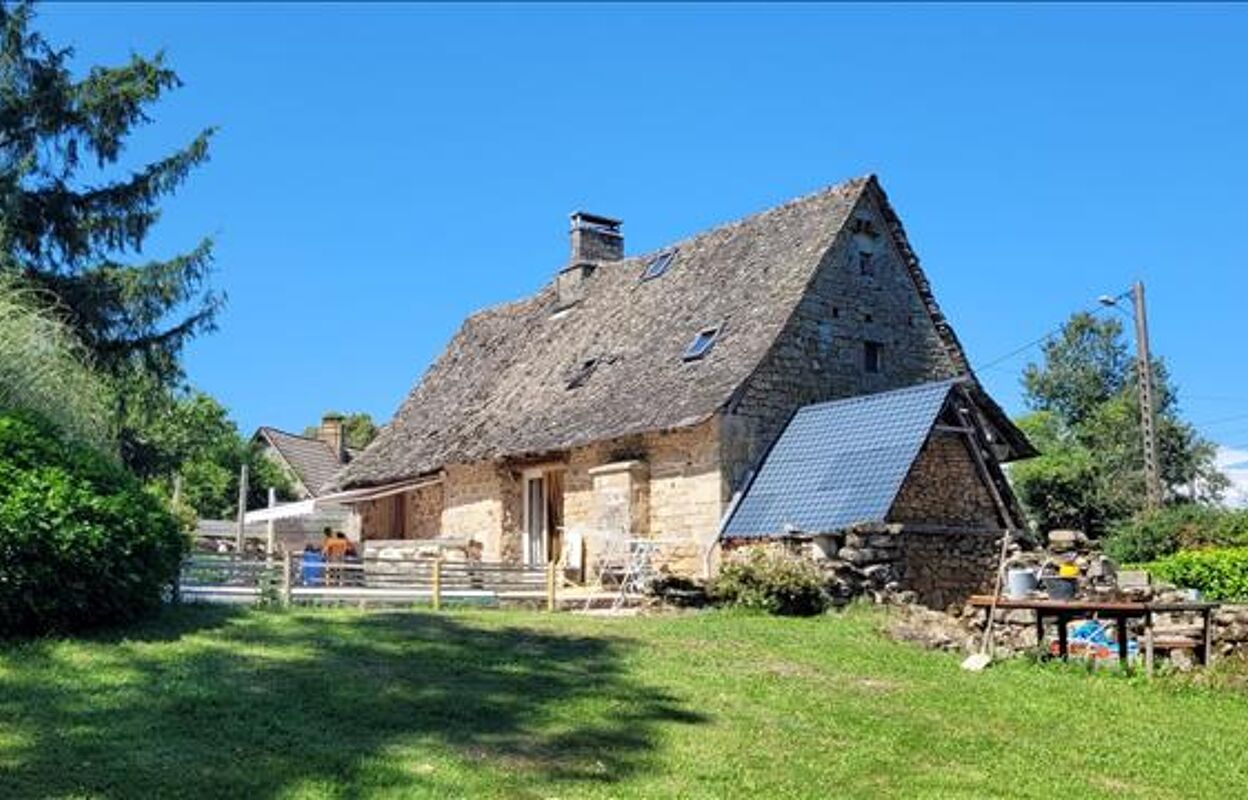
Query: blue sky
pixel 383 170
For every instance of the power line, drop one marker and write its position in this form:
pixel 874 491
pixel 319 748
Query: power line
pixel 1032 343
pixel 1221 420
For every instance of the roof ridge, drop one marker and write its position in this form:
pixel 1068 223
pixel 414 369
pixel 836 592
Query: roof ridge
pixel 293 435
pixel 859 183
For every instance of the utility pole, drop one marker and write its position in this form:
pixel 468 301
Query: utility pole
pixel 1148 411
pixel 242 510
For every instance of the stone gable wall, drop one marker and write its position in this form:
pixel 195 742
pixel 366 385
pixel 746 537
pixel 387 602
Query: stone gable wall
pixel 944 488
pixel 819 355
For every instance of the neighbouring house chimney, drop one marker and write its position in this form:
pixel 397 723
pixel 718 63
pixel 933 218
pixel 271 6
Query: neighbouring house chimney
pixel 595 240
pixel 331 434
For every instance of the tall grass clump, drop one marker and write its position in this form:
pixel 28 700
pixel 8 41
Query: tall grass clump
pixel 44 369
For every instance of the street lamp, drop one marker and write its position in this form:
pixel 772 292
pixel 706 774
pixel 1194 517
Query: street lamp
pixel 1144 370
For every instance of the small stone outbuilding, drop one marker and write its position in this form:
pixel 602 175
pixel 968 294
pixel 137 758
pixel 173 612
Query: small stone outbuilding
pixel 897 491
pixel 634 396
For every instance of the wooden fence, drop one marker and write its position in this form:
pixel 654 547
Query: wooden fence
pixel 287 578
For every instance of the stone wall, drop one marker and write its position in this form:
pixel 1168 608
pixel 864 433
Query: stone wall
pixel 820 354
pixel 379 519
pixel 944 487
pixel 473 506
pixel 663 485
pixel 889 563
pixel 423 507
pixel 944 569
pixel 673 486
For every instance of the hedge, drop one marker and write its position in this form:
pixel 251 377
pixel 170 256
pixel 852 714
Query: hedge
pixel 1218 574
pixel 1184 527
pixel 81 542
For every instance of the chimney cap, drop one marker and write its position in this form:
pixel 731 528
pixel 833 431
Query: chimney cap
pixel 584 219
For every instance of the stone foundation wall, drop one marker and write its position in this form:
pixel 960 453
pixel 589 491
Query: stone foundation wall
pixel 944 569
pixel 891 564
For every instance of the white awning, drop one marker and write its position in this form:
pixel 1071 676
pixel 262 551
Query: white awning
pixel 303 508
pixel 306 508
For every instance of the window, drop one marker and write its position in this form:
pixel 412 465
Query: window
pixel 658 265
pixel 701 344
pixel 868 318
pixel 866 266
pixel 871 356
pixel 582 374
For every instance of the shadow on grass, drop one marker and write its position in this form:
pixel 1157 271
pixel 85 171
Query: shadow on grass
pixel 210 702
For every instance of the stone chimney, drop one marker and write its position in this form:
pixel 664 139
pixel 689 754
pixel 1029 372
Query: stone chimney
pixel 595 240
pixel 331 434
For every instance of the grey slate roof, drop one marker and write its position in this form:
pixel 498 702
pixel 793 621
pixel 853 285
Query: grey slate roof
pixel 313 461
pixel 839 463
pixel 501 386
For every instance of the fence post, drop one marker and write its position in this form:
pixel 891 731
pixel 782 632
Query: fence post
pixel 437 583
pixel 550 585
pixel 288 575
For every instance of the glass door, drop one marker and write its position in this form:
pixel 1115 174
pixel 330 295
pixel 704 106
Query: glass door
pixel 535 520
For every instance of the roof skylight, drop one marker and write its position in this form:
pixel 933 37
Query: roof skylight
pixel 658 265
pixel 701 343
pixel 582 374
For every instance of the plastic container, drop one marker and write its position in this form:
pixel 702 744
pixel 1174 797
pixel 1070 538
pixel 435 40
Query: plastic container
pixel 1059 588
pixel 312 569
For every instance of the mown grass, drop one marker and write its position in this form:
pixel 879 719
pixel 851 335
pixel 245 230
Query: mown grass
pixel 209 702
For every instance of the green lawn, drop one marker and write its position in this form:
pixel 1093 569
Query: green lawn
pixel 209 702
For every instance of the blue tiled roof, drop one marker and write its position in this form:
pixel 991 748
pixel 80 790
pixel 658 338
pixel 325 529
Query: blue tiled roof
pixel 839 463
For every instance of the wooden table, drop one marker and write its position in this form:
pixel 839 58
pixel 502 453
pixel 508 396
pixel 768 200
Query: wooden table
pixel 1063 611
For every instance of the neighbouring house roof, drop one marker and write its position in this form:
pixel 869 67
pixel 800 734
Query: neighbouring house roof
pixel 839 463
pixel 311 461
pixel 501 387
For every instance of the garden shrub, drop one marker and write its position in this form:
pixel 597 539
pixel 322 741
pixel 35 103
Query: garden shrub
pixel 1218 574
pixel 81 542
pixel 771 579
pixel 1169 530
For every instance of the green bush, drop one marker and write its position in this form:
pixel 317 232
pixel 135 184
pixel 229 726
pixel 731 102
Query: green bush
pixel 81 542
pixel 771 579
pixel 1218 574
pixel 1185 527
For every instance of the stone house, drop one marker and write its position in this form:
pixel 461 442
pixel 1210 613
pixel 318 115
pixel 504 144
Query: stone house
pixel 636 395
pixel 309 462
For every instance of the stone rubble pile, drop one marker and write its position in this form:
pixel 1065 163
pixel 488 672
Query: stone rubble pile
pixel 1014 630
pixel 865 564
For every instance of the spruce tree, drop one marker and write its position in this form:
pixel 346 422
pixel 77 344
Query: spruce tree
pixel 73 221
